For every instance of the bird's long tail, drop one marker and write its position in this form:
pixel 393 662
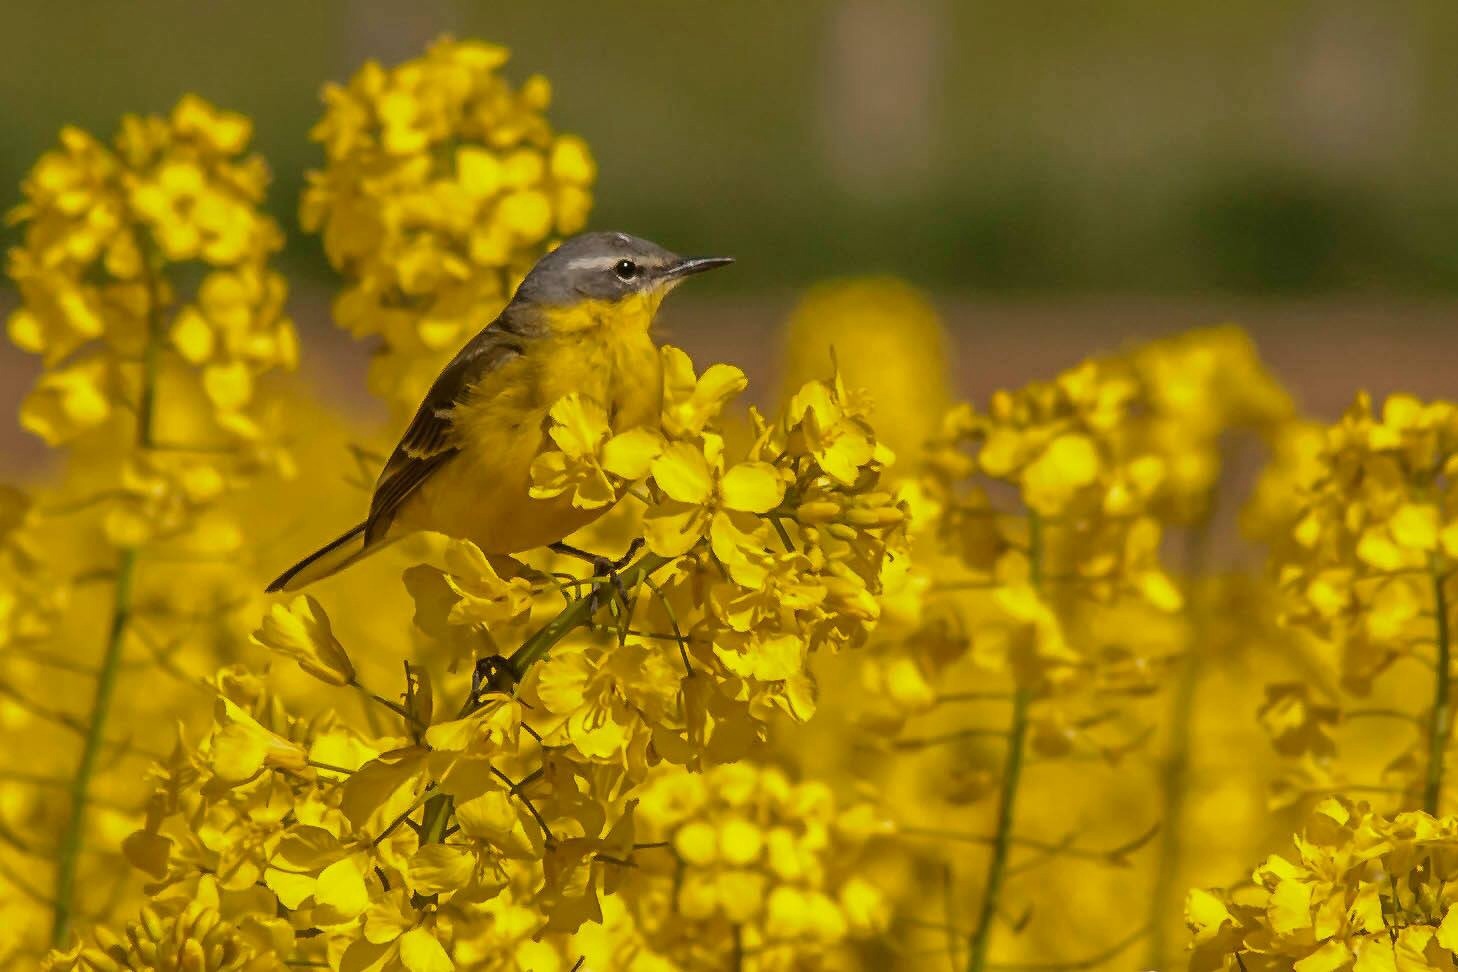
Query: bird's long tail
pixel 328 559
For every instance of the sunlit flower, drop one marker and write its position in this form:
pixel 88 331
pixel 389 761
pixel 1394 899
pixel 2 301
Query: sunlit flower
pixel 301 631
pixel 589 459
pixel 1361 890
pixel 703 495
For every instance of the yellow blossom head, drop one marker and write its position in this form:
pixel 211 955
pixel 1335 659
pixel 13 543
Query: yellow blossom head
pixel 442 184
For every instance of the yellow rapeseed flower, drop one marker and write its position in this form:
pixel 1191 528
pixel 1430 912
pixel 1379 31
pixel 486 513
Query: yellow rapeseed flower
pixel 301 631
pixel 442 184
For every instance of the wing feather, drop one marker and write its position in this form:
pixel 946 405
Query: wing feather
pixel 428 443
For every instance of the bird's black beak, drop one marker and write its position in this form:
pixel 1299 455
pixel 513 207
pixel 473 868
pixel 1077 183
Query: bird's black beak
pixel 692 265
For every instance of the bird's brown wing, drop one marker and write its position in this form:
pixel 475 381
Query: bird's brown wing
pixel 428 443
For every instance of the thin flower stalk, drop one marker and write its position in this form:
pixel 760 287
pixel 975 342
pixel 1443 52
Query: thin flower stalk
pixel 74 836
pixel 1440 726
pixel 1002 840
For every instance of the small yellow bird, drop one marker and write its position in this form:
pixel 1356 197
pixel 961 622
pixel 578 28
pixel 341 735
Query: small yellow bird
pixel 579 322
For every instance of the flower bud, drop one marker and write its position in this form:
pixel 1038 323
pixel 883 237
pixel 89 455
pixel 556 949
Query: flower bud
pixel 817 511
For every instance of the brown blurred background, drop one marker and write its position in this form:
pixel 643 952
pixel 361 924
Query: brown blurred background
pixel 1060 176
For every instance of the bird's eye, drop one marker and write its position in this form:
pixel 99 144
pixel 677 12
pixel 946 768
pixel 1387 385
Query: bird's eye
pixel 626 269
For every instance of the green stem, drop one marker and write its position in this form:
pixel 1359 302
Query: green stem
pixel 1441 725
pixel 575 615
pixel 394 707
pixel 437 816
pixel 69 853
pixel 151 358
pixel 74 836
pixel 1012 772
pixel 147 404
pixel 1174 783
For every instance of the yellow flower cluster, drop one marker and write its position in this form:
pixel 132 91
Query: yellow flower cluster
pixel 1102 460
pixel 740 860
pixel 1376 525
pixel 1087 480
pixel 1365 564
pixel 194 935
pixel 442 185
pixel 103 226
pixel 1363 891
pixel 156 362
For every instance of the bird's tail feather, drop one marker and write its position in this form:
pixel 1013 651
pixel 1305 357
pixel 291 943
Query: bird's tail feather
pixel 328 559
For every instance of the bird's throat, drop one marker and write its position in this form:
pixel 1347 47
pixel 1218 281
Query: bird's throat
pixel 629 315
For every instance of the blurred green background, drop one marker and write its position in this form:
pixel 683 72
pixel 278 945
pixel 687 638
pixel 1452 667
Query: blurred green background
pixel 1120 147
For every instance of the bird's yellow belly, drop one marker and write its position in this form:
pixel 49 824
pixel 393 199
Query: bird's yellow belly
pixel 486 500
pixel 482 493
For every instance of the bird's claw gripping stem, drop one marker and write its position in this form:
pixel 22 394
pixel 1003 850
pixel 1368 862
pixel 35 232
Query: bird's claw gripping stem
pixel 604 569
pixel 492 674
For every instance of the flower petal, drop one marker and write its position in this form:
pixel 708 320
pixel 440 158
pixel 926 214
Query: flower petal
pixel 753 487
pixel 302 631
pixel 682 472
pixel 630 454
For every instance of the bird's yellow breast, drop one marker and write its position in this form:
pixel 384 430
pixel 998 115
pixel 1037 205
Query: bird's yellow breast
pixel 597 349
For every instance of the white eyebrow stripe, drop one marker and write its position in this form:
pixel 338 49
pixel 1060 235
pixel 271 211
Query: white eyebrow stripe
pixel 593 263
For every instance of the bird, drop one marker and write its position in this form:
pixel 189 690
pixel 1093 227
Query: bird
pixel 580 321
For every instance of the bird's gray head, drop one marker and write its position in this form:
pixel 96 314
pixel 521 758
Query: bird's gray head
pixel 607 266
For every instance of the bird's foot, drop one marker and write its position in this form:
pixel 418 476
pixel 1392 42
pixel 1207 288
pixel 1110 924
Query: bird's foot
pixel 604 569
pixel 491 674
